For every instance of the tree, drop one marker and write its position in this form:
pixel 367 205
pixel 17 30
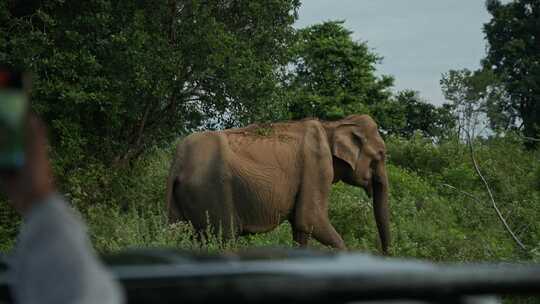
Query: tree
pixel 115 77
pixel 332 76
pixel 514 56
pixel 465 92
pixel 479 100
pixel 407 113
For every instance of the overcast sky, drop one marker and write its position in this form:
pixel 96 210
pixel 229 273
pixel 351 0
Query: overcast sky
pixel 419 39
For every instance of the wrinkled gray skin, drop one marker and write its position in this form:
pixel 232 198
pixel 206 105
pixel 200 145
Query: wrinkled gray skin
pixel 249 180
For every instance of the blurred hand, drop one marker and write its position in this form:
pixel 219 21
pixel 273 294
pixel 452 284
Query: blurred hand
pixel 34 181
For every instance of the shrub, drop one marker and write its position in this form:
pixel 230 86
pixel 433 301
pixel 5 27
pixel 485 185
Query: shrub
pixel 417 154
pixel 125 208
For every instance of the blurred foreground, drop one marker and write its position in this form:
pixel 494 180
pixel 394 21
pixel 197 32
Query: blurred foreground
pixel 299 276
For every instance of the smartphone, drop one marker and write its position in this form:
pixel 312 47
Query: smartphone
pixel 13 110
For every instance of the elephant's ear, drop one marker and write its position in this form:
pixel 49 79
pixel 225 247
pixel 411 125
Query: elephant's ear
pixel 346 144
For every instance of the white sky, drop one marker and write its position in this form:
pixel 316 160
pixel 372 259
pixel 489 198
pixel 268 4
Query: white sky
pixel 419 39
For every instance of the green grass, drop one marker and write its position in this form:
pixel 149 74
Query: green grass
pixel 429 220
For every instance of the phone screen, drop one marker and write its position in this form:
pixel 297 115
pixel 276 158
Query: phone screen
pixel 13 106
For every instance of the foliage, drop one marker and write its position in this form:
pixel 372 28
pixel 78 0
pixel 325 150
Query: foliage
pixel 114 78
pixel 440 210
pixel 506 89
pixel 514 56
pixel 475 97
pixel 510 172
pixel 332 76
pixel 417 154
pixel 407 113
pixel 429 219
pixel 125 209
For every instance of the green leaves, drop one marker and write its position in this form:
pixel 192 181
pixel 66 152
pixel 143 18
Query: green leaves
pixel 125 76
pixel 514 56
pixel 407 113
pixel 478 96
pixel 129 75
pixel 333 76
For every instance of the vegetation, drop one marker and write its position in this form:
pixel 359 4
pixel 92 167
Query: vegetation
pixel 333 76
pixel 118 82
pixel 116 78
pixel 507 87
pixel 407 113
pixel 514 57
pixel 440 210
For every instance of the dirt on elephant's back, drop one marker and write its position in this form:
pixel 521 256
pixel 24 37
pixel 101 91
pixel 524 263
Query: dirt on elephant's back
pixel 281 132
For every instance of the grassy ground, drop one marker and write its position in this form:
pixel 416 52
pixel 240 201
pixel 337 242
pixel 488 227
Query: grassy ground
pixel 433 213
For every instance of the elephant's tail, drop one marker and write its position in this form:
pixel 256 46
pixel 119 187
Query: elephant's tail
pixel 173 213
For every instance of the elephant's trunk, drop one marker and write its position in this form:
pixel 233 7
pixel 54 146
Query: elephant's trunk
pixel 380 205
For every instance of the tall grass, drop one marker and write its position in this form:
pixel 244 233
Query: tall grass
pixel 429 219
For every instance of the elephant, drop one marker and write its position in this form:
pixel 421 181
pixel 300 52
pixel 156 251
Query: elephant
pixel 250 180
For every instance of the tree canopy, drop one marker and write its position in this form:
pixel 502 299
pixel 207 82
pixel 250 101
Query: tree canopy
pixel 332 75
pixel 513 55
pixel 407 113
pixel 114 77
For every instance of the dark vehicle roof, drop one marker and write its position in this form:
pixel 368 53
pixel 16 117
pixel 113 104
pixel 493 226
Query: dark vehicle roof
pixel 301 276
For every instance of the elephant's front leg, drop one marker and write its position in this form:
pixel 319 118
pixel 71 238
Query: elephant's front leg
pixel 328 235
pixel 320 228
pixel 311 205
pixel 299 237
pixel 311 214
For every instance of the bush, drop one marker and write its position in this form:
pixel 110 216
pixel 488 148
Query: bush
pixel 425 223
pixel 510 173
pixel 351 213
pixel 439 208
pixel 417 154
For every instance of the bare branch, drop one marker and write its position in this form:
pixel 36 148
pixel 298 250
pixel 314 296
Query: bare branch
pixel 499 214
